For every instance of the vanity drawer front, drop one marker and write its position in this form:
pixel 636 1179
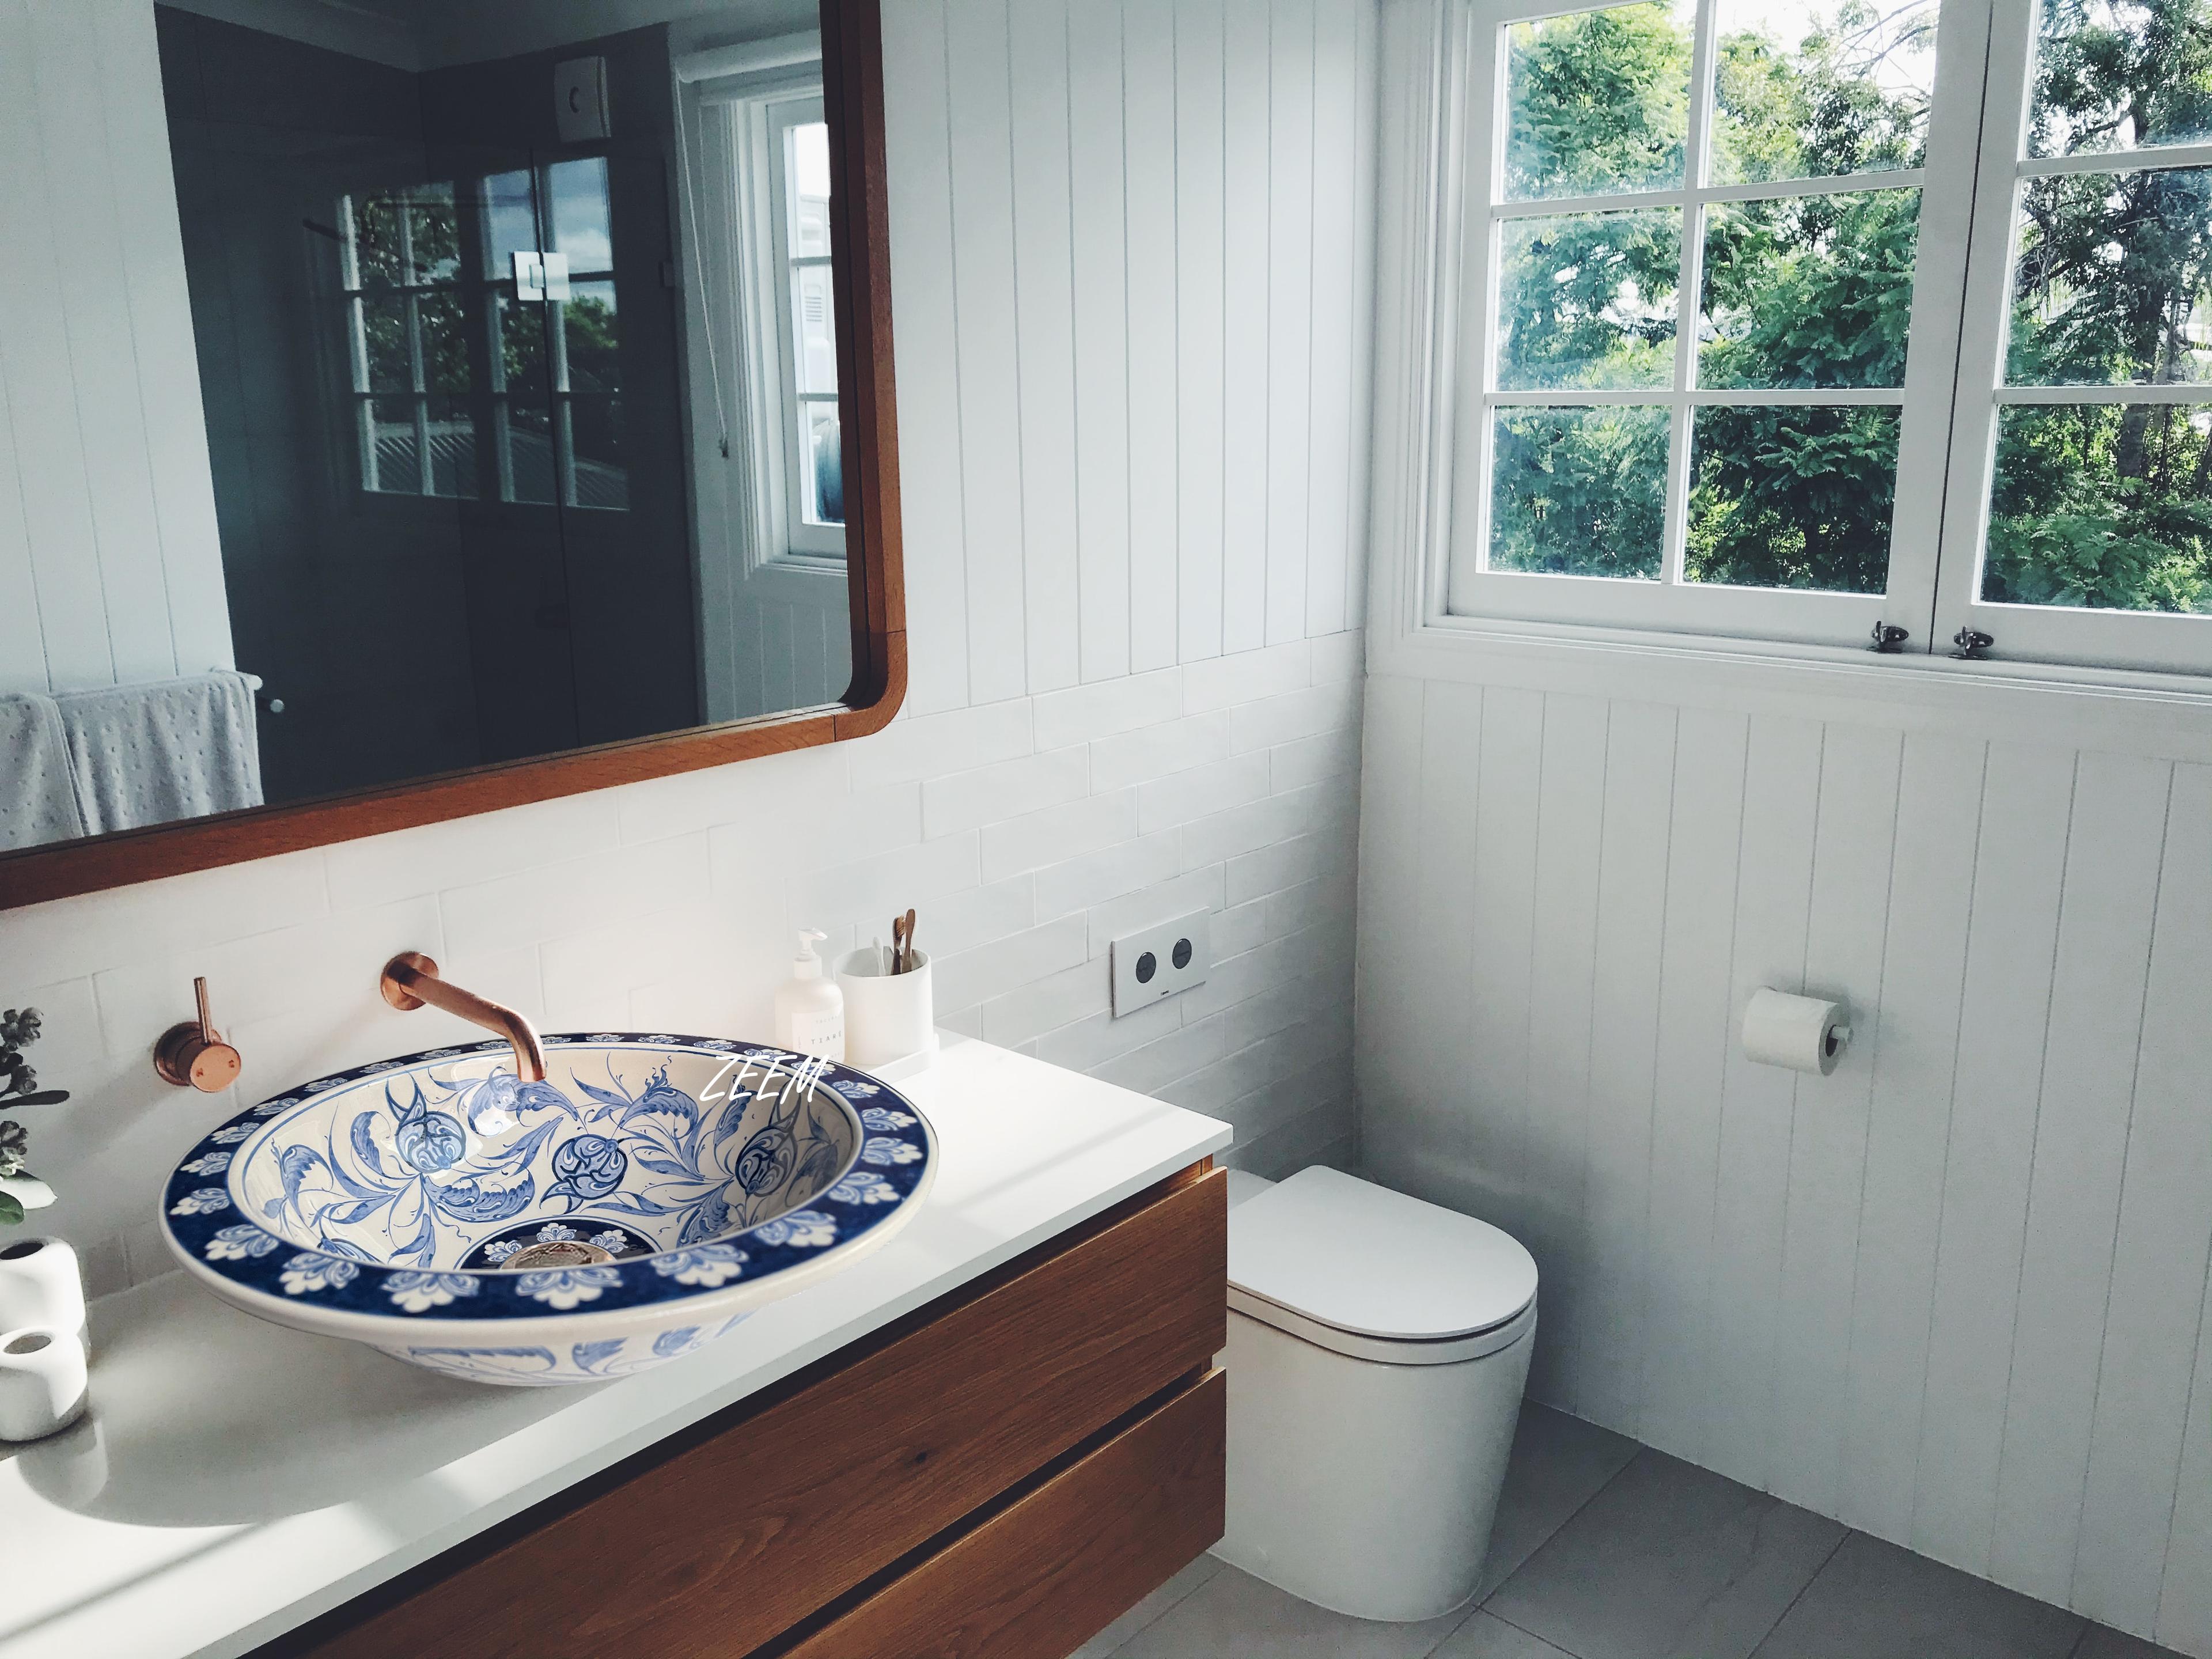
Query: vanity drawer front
pixel 749 1523
pixel 1043 1575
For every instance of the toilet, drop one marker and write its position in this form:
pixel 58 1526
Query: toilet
pixel 1378 1348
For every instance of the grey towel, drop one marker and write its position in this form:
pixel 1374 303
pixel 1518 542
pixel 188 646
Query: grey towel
pixel 38 793
pixel 153 754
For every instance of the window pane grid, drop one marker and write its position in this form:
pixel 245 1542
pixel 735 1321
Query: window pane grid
pixel 2096 494
pixel 398 303
pixel 1821 396
pixel 2119 161
pixel 1848 183
pixel 1558 468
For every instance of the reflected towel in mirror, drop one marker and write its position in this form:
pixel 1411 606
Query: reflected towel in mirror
pixel 38 793
pixel 153 754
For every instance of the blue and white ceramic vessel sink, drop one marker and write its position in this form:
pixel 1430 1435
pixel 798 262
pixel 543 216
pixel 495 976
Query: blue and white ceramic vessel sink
pixel 381 1204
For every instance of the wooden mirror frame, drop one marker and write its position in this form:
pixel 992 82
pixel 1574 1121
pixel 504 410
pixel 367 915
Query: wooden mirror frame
pixel 853 95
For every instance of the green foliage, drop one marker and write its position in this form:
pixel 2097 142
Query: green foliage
pixel 411 237
pixel 2114 270
pixel 2111 505
pixel 19 1087
pixel 1588 300
pixel 2094 504
pixel 1817 106
pixel 2069 525
pixel 1793 497
pixel 1810 291
pixel 594 340
pixel 1601 102
pixel 2111 73
pixel 1579 492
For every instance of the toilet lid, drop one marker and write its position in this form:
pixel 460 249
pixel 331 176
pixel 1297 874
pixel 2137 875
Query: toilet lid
pixel 1362 1259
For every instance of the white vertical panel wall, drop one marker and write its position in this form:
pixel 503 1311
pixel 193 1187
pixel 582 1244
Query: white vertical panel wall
pixel 110 567
pixel 1085 749
pixel 1954 1294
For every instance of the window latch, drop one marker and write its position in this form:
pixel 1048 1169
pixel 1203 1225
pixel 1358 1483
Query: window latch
pixel 1973 646
pixel 1888 638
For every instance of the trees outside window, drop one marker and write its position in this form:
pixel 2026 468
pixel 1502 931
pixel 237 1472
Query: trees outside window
pixel 441 341
pixel 1734 363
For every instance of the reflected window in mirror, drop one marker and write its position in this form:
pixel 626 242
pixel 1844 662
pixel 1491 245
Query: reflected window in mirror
pixel 758 185
pixel 543 316
pixel 799 156
pixel 399 275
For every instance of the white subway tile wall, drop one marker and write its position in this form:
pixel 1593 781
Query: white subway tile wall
pixel 589 920
pixel 1134 464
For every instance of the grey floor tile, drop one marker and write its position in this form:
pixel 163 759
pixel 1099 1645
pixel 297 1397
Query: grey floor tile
pixel 1484 1637
pixel 1670 1561
pixel 1874 1601
pixel 1234 1616
pixel 1560 1462
pixel 2102 1641
pixel 1117 1636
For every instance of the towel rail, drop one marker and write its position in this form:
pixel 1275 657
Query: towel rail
pixel 253 684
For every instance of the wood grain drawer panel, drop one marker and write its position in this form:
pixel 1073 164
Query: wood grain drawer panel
pixel 1043 1575
pixel 751 1526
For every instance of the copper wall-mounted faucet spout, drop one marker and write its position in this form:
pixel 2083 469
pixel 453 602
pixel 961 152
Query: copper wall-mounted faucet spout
pixel 410 979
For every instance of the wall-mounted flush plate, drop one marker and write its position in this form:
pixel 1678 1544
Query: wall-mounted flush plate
pixel 1159 962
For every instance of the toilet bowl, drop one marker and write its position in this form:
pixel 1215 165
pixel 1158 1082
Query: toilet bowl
pixel 1378 1348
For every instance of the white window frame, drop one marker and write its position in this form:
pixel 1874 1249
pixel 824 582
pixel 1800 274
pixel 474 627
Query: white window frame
pixel 410 291
pixel 806 538
pixel 1449 220
pixel 734 128
pixel 2124 639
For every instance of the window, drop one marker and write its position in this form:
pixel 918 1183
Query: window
pixel 2082 493
pixel 1730 361
pixel 548 346
pixel 799 155
pixel 407 349
pixel 757 207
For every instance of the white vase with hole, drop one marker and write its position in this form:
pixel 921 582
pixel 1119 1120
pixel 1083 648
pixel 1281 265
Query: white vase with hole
pixel 40 1284
pixel 42 1382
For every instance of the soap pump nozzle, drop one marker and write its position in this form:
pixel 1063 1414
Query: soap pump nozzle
pixel 806 964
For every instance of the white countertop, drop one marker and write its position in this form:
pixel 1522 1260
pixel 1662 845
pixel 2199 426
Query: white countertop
pixel 236 1479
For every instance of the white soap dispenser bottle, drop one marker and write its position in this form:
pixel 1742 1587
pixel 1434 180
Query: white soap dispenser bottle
pixel 810 1009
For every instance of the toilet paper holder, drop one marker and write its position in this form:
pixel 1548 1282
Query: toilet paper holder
pixel 1804 1034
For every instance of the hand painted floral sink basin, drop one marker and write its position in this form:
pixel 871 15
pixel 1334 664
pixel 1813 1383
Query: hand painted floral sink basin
pixel 684 1180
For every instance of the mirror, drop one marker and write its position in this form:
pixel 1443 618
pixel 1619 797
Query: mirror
pixel 542 378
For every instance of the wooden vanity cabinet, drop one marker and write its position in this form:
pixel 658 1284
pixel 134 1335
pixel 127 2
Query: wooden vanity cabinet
pixel 995 1476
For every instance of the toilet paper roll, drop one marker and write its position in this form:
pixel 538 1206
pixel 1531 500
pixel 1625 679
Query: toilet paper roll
pixel 1806 1034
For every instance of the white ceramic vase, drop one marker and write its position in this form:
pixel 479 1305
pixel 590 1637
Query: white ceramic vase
pixel 42 1382
pixel 41 1285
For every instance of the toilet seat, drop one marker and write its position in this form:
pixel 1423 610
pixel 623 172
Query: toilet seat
pixel 1374 1274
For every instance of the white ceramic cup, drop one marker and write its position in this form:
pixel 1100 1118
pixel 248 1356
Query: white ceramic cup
pixel 887 1016
pixel 42 1381
pixel 39 1285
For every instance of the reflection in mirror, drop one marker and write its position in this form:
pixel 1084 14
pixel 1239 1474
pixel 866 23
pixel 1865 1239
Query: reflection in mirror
pixel 517 347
